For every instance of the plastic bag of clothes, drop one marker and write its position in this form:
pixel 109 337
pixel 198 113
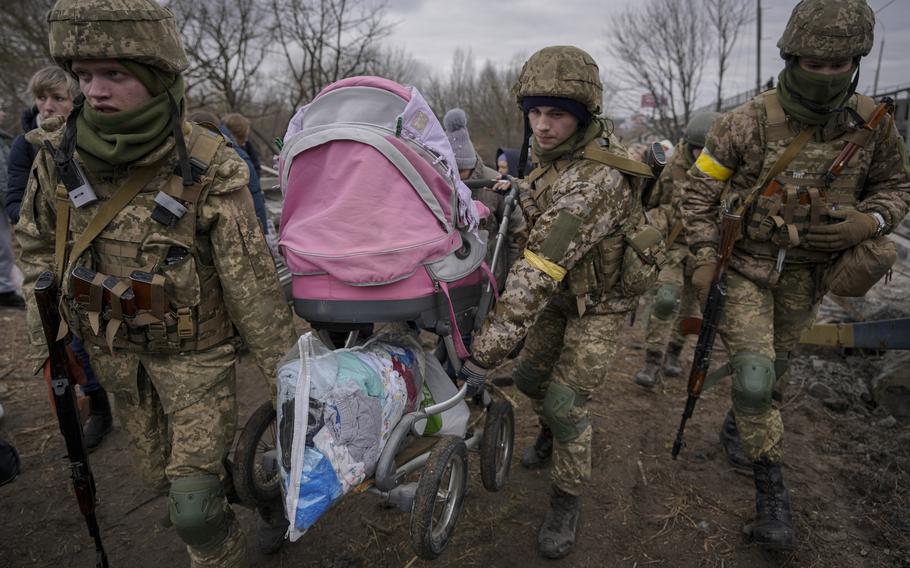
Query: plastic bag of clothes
pixel 336 410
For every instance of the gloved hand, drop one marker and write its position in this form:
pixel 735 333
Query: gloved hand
pixel 855 228
pixel 701 280
pixel 474 375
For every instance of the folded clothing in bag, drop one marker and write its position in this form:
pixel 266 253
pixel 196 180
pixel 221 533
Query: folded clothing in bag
pixel 336 410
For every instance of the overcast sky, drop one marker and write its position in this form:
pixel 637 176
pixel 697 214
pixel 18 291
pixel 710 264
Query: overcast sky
pixel 431 30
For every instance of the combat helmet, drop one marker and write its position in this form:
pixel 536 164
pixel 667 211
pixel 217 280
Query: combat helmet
pixel 698 127
pixel 561 71
pixel 828 29
pixel 139 30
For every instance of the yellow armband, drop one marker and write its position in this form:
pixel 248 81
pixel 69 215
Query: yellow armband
pixel 551 269
pixel 711 167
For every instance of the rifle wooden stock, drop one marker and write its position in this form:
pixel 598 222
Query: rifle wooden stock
pixel 843 158
pixel 714 307
pixel 67 411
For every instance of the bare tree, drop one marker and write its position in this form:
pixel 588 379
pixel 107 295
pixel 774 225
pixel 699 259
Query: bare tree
pixel 399 65
pixel 23 50
pixel 226 44
pixel 727 17
pixel 322 41
pixel 663 47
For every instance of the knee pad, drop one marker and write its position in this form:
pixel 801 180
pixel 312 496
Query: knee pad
pixel 196 508
pixel 557 410
pixel 753 380
pixel 665 301
pixel 530 382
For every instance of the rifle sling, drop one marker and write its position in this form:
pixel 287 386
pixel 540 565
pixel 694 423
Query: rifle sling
pixel 106 213
pixel 674 233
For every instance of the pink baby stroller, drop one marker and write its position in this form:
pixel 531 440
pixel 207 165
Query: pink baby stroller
pixel 377 227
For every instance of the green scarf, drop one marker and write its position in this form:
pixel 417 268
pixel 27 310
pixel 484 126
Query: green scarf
pixel 580 139
pixel 825 91
pixel 109 142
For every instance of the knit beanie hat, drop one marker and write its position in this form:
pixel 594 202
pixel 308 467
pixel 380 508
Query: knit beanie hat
pixel 456 125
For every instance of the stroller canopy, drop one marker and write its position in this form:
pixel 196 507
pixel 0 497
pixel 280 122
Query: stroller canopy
pixel 371 188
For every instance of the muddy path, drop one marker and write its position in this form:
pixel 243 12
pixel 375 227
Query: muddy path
pixel 848 480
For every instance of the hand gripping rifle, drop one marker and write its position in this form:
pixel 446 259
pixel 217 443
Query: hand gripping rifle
pixel 67 412
pixel 717 296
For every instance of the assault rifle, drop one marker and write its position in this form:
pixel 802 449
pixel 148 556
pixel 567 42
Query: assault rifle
pixel 717 297
pixel 67 412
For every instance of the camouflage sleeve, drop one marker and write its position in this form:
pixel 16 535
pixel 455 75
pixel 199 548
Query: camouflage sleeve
pixel 581 217
pixel 252 295
pixel 732 155
pixel 659 207
pixel 887 188
pixel 35 233
pixel 518 234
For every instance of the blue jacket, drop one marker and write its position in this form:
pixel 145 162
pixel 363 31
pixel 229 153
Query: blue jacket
pixel 255 188
pixel 19 166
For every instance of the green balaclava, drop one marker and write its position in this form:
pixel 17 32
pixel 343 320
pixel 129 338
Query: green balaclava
pixel 109 142
pixel 582 137
pixel 813 98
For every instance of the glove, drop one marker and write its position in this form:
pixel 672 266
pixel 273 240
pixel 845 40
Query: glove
pixel 855 228
pixel 701 280
pixel 474 375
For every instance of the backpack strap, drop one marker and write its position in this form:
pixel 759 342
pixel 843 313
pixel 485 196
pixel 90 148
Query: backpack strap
pixel 776 128
pixel 594 152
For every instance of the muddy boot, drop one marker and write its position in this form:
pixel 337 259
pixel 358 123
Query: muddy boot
pixel 671 363
pixel 649 376
pixel 557 533
pixel 729 441
pixel 538 455
pixel 271 528
pixel 773 524
pixel 100 421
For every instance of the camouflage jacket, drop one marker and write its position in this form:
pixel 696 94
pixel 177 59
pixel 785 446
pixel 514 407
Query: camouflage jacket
pixel 743 145
pixel 228 247
pixel 663 208
pixel 586 204
pixel 495 202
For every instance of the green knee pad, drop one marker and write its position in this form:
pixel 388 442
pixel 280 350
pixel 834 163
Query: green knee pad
pixel 557 410
pixel 665 301
pixel 530 382
pixel 753 379
pixel 196 509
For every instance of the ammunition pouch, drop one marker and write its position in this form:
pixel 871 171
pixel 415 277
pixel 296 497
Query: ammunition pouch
pixel 859 268
pixel 645 255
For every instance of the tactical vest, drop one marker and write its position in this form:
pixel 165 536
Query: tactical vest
pixel 782 220
pixel 186 310
pixel 634 254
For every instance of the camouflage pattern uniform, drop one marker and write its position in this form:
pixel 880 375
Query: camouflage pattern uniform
pixel 579 208
pixel 174 392
pixel 766 310
pixel 674 279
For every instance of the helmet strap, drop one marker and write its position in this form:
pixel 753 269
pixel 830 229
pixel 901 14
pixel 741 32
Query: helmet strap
pixel 186 172
pixel 525 147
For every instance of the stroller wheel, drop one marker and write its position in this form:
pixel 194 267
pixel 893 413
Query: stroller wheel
pixel 439 497
pixel 256 458
pixel 496 445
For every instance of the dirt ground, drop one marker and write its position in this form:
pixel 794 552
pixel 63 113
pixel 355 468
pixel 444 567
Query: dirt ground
pixel 848 475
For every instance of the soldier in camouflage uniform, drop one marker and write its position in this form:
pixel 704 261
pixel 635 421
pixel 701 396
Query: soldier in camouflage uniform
pixel 171 202
pixel 563 292
pixel 674 294
pixel 813 220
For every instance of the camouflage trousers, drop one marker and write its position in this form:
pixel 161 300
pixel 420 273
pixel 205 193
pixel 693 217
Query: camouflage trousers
pixel 576 352
pixel 179 413
pixel 678 273
pixel 769 322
